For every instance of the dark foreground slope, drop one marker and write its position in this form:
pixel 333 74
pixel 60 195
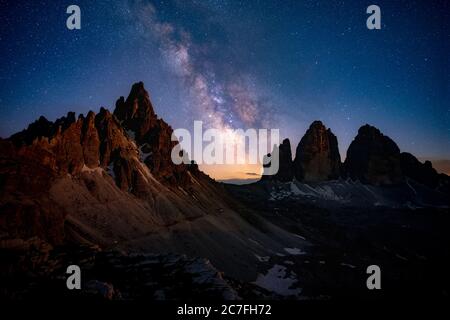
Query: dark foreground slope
pixel 380 207
pixel 403 229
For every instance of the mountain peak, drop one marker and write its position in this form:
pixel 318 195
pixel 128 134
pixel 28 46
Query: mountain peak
pixel 137 116
pixel 376 140
pixel 317 156
pixel 368 130
pixel 138 91
pixel 373 157
pixel 316 124
pixel 285 170
pixel 136 113
pixel 286 142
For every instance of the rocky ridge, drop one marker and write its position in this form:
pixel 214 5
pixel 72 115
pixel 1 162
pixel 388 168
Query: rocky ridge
pixel 53 175
pixel 372 158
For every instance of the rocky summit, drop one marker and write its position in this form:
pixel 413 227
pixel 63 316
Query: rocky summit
pixel 56 174
pixel 317 156
pixel 376 159
pixel 285 168
pixel 153 135
pixel 373 158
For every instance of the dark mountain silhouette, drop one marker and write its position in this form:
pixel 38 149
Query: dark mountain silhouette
pixel 372 158
pixel 285 169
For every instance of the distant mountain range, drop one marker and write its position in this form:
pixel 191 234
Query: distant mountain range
pixel 372 158
pixel 441 165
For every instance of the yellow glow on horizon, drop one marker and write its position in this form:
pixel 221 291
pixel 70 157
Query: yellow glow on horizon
pixel 232 171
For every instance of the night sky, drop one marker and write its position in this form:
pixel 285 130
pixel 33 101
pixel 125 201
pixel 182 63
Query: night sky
pixel 237 64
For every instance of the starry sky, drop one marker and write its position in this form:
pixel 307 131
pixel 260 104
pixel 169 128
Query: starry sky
pixel 236 64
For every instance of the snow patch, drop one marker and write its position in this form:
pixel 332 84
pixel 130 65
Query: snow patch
pixel 299 236
pixel 143 155
pixel 296 191
pixel 409 185
pixel 92 170
pixel 254 241
pixel 291 189
pixel 294 251
pixel 279 195
pixel 131 134
pixel 262 259
pixel 401 257
pixel 279 281
pixel 110 170
pixel 348 265
pixel 325 192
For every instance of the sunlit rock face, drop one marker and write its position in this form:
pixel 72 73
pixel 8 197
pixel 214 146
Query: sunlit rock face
pixel 317 156
pixel 152 135
pixel 109 156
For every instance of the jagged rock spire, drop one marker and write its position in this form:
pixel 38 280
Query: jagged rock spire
pixel 317 156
